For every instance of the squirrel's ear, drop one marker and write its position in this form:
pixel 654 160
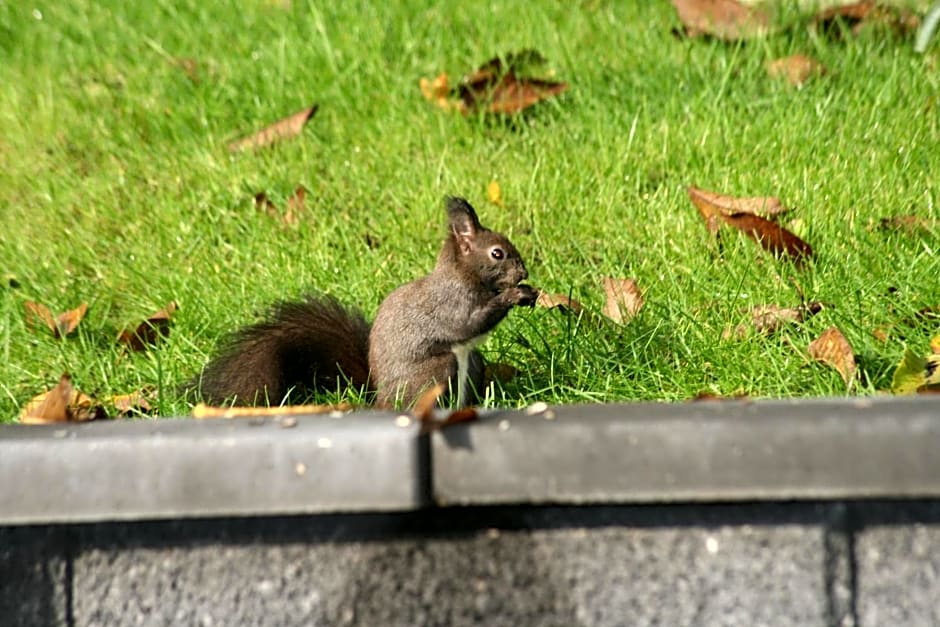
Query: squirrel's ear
pixel 461 218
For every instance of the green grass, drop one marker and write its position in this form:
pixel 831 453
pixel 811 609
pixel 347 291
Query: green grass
pixel 116 188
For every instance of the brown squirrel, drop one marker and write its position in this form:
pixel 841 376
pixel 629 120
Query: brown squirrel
pixel 424 333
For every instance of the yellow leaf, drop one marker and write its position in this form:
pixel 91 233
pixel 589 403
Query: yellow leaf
pixel 910 374
pixel 495 193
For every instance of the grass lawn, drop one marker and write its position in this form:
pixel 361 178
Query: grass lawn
pixel 116 188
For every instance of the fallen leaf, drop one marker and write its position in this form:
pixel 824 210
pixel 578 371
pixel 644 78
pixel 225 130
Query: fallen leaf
pixel 190 67
pixel 201 410
pixel 708 396
pixel 857 15
pixel 467 414
pixel 912 225
pixel 833 349
pixel 149 331
pixel 60 325
pixel 296 204
pixel 513 94
pixel 494 193
pixel 503 373
pixel 288 127
pixel 63 403
pixel 796 69
pixel 624 299
pixel 501 86
pixel 51 406
pixel 262 202
pixel 424 407
pixel 732 205
pixel 131 404
pixel 724 19
pixel 768 319
pixel 739 213
pixel 561 301
pixel 916 373
pixel 437 91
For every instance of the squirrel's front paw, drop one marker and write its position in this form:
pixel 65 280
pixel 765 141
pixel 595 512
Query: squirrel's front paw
pixel 524 295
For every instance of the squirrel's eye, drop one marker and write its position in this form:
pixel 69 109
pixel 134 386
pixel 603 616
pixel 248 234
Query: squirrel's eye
pixel 497 253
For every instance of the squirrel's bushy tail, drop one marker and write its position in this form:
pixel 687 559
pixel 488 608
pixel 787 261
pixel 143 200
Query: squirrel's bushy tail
pixel 312 344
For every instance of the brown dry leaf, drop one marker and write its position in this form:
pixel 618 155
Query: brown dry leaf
pixel 296 205
pixel 63 403
pixel 60 325
pixel 503 373
pixel 708 396
pixel 561 301
pixel 624 299
pixel 499 86
pixel 190 66
pixel 732 205
pixel 858 15
pixel 131 404
pixel 495 193
pixel 724 19
pixel 738 213
pixel 514 94
pixel 833 349
pixel 768 319
pixel 51 406
pixel 424 407
pixel 913 225
pixel 437 91
pixel 288 127
pixel 202 410
pixel 467 414
pixel 796 69
pixel 150 330
pixel 262 202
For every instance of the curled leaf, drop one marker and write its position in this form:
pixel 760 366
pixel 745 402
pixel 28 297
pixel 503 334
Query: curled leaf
pixel 723 19
pixel 131 404
pixel 60 325
pixel 740 214
pixel 296 205
pixel 624 299
pixel 796 69
pixel 288 127
pixel 833 349
pixel 501 86
pixel 503 373
pixel 63 403
pixel 560 301
pixel 768 319
pixel 148 332
pixel 424 407
pixel 857 15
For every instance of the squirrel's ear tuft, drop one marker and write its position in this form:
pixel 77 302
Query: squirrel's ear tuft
pixel 461 218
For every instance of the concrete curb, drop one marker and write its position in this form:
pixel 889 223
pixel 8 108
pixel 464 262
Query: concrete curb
pixel 369 461
pixel 185 468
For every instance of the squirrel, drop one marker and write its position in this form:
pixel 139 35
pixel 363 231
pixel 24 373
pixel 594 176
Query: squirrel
pixel 425 332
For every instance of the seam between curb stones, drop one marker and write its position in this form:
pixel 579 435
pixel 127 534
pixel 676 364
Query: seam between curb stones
pixel 840 571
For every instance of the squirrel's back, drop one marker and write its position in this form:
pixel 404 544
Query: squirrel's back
pixel 313 342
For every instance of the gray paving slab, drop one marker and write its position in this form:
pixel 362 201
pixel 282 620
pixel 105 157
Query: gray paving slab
pixel 191 468
pixel 710 451
pixel 898 570
pixel 559 574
